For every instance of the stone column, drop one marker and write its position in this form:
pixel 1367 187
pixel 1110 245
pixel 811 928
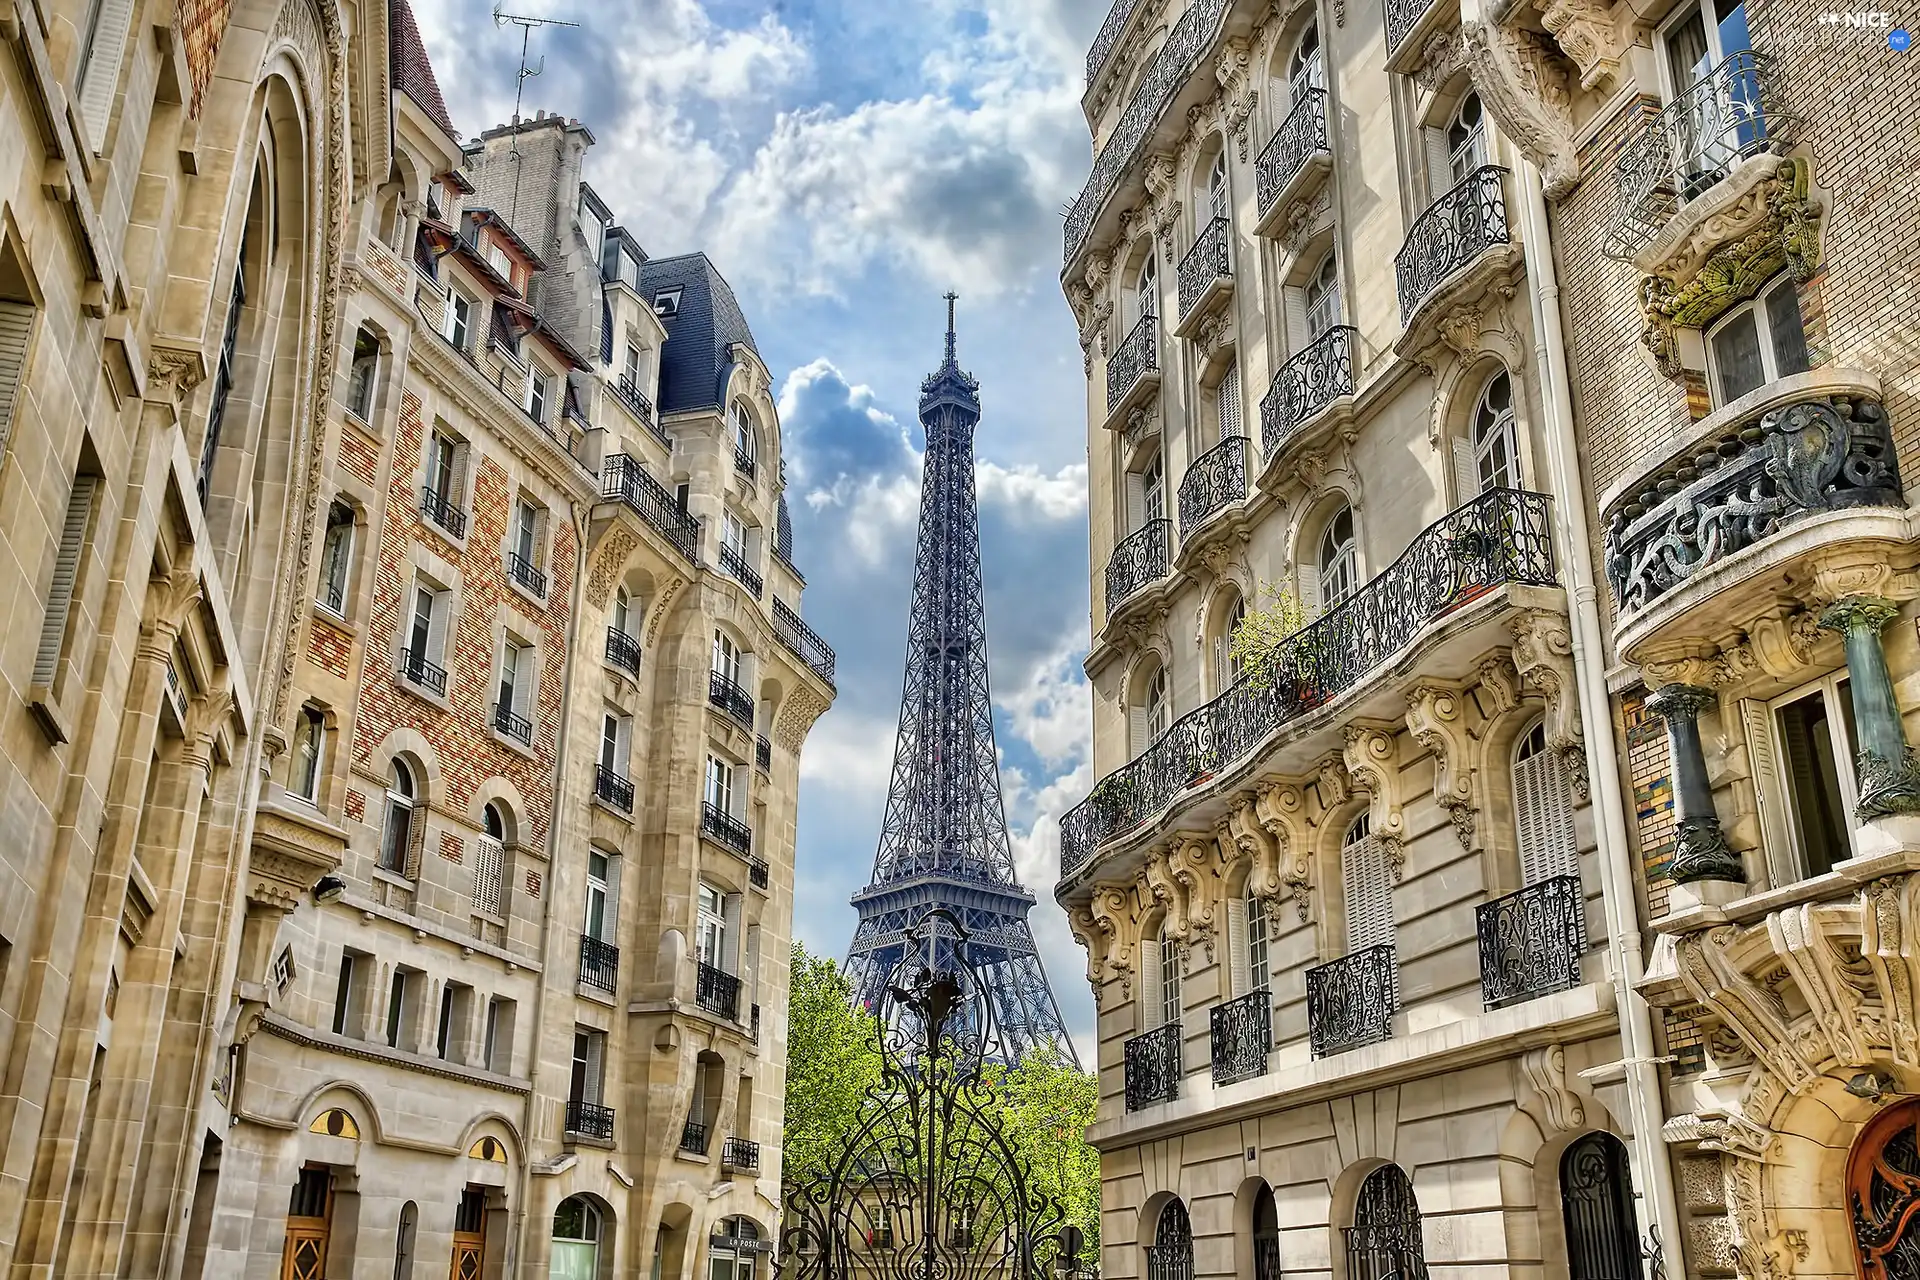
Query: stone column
pixel 1884 766
pixel 1700 850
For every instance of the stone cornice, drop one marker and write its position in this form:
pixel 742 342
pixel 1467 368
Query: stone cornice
pixel 284 1028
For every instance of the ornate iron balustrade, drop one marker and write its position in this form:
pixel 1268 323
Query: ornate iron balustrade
pixel 1170 1261
pixel 623 651
pixel 1242 1036
pixel 440 509
pixel 1116 22
pixel 800 639
pixel 414 668
pixel 1316 376
pixel 1459 227
pixel 1153 1066
pixel 759 876
pixel 763 755
pixel 599 964
pixel 1137 355
pixel 590 1120
pixel 735 566
pixel 1351 1001
pixel 614 789
pixel 1732 113
pixel 1531 941
pixel 726 694
pixel 1216 480
pixel 522 571
pixel 629 393
pixel 716 991
pixel 1266 1258
pixel 1403 16
pixel 1207 261
pixel 1300 137
pixel 1141 557
pixel 623 478
pixel 693 1138
pixel 1745 483
pixel 1180 56
pixel 743 462
pixel 742 1154
pixel 1503 536
pixel 722 826
pixel 517 727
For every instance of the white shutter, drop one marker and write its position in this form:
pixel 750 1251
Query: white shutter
pixel 1310 591
pixel 596 1066
pixel 1237 946
pixel 610 915
pixel 1222 665
pixel 1136 500
pixel 1369 891
pixel 1227 400
pixel 1439 165
pixel 101 75
pixel 1466 472
pixel 461 457
pixel 1297 335
pixel 728 959
pixel 1543 818
pixel 66 570
pixel 1152 998
pixel 1137 731
pixel 1763 754
pixel 16 326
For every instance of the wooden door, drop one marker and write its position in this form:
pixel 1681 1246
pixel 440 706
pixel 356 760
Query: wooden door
pixel 309 1219
pixel 469 1236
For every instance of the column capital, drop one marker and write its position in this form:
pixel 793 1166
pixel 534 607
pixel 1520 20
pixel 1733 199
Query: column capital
pixel 1701 852
pixel 1681 701
pixel 1870 612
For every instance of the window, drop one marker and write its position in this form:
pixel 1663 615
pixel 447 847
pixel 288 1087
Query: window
pixel 1147 493
pixel 66 575
pixel 630 369
pixel 712 928
pixel 397 835
pixel 425 636
pixel 1758 342
pixel 599 912
pixel 16 327
pixel 336 558
pixel 108 22
pixel 1466 138
pixel 1367 879
pixel 1323 296
pixel 614 743
pixel 1217 187
pixel 539 390
pixel 1694 49
pixel 1146 289
pixel 455 1001
pixel 743 437
pixel 399 1005
pixel 1491 459
pixel 529 543
pixel 1225 669
pixel 1153 715
pixel 1339 559
pixel 1259 966
pixel 459 318
pixel 721 790
pixel 666 303
pixel 733 535
pixel 497 259
pixel 729 1261
pixel 403 1237
pixel 446 456
pixel 496 1042
pixel 726 657
pixel 309 741
pixel 589 1055
pixel 622 611
pixel 1226 401
pixel 360 375
pixel 1802 746
pixel 346 993
pixel 1597 1201
pixel 513 710
pixel 490 863
pixel 223 372
pixel 1169 960
pixel 1543 810
pixel 1305 69
pixel 576 1241
pixel 592 226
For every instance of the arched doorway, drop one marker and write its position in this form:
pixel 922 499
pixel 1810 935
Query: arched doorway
pixel 1384 1241
pixel 1266 1235
pixel 309 1222
pixel 1170 1256
pixel 734 1249
pixel 1883 1194
pixel 576 1241
pixel 1597 1194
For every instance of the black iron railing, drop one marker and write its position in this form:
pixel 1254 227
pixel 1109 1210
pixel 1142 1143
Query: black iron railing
pixel 1531 941
pixel 716 991
pixel 416 670
pixel 522 571
pixel 623 651
pixel 717 824
pixel 1314 378
pixel 1459 227
pixel 743 462
pixel 740 1153
pixel 726 694
pixel 735 566
pixel 634 398
pixel 590 1120
pixel 763 755
pixel 1300 137
pixel 1242 1036
pixel 1141 557
pixel 1116 22
pixel 599 964
pixel 517 727
pixel 1266 1258
pixel 1207 261
pixel 693 1138
pixel 1402 17
pixel 1137 355
pixel 1215 481
pixel 439 508
pixel 614 789
pixel 1503 536
pixel 624 480
pixel 798 637
pixel 1170 1261
pixel 1153 1066
pixel 1351 1001
pixel 759 875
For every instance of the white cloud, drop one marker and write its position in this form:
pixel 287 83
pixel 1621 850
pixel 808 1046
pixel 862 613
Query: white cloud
pixel 1052 497
pixel 1053 711
pixel 849 754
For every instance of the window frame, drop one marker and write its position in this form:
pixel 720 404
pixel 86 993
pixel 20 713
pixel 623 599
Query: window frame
pixel 1756 306
pixel 400 803
pixel 458 330
pixel 1344 563
pixel 1502 434
pixel 1835 689
pixel 1324 311
pixel 1473 144
pixel 310 729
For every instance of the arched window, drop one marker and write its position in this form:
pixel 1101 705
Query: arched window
pixel 1466 138
pixel 744 447
pixel 309 744
pixel 1153 490
pixel 1496 441
pixel 576 1240
pixel 1597 1195
pixel 1367 879
pixel 1266 1235
pixel 1225 669
pixel 1153 714
pixel 1305 69
pixel 1146 288
pixel 490 862
pixel 1384 1241
pixel 1217 186
pixel 403 1241
pixel 1883 1181
pixel 732 1252
pixel 1543 810
pixel 396 836
pixel 1170 1256
pixel 1339 559
pixel 1323 296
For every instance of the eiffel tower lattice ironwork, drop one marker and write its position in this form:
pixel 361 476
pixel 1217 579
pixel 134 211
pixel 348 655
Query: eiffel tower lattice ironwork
pixel 943 841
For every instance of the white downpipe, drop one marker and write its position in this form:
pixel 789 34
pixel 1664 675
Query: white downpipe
pixel 1644 1099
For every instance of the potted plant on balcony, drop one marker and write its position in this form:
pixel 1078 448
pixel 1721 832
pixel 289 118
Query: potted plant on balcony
pixel 1275 651
pixel 1112 798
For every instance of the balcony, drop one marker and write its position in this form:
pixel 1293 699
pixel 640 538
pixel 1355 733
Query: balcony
pixel 1110 31
pixel 693 1138
pixel 717 991
pixel 743 462
pixel 623 651
pixel 589 1120
pixel 1501 538
pixel 628 393
pixel 722 827
pixel 1206 275
pixel 414 668
pixel 1320 374
pixel 759 876
pixel 727 695
pixel 1133 370
pixel 599 964
pixel 1242 1037
pixel 1153 1066
pixel 623 480
pixel 1531 942
pixel 1351 1001
pixel 734 564
pixel 524 575
pixel 1140 558
pixel 1408 23
pixel 438 508
pixel 1296 155
pixel 801 641
pixel 1690 148
pixel 763 755
pixel 1215 481
pixel 612 788
pixel 740 1155
pixel 1465 228
pixel 510 725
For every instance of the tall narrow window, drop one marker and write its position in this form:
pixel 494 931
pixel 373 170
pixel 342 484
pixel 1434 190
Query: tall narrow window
pixel 630 370
pixel 720 785
pixel 397 1006
pixel 336 558
pixel 744 451
pixel 1153 713
pixel 425 632
pixel 613 743
pixel 1543 810
pixel 403 1237
pixel 223 371
pixel 622 612
pixel 1306 71
pixel 108 22
pixel 396 836
pixel 1153 490
pixel 1259 972
pixel 360 375
pixel 1339 559
pixel 1466 138
pixel 726 657
pixel 490 863
pixel 1226 401
pixel 1323 296
pixel 1217 187
pixel 309 741
pixel 443 457
pixel 1367 879
pixel 1146 291
pixel 459 318
pixel 1169 977
pixel 589 1054
pixel 711 928
pixel 539 391
pixel 595 925
pixel 66 575
pixel 1496 440
pixel 343 992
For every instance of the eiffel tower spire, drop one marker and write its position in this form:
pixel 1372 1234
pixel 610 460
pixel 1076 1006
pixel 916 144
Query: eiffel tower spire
pixel 943 840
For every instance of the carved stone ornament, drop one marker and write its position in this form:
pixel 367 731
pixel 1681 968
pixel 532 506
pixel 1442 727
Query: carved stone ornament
pixel 1585 32
pixel 1304 218
pixel 1214 334
pixel 1540 1081
pixel 1233 69
pixel 1143 422
pixel 1281 809
pixel 1443 53
pixel 1543 658
pixel 1435 719
pixel 1523 86
pixel 1160 177
pixel 174 371
pixel 1372 757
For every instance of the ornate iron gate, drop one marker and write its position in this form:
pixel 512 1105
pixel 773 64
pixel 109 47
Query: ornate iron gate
pixel 1598 1198
pixel 1883 1194
pixel 927 1187
pixel 1384 1241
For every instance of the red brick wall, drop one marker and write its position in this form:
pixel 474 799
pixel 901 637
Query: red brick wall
pixel 329 647
pixel 359 453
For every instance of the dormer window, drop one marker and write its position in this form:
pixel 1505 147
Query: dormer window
pixel 666 303
pixel 497 259
pixel 539 391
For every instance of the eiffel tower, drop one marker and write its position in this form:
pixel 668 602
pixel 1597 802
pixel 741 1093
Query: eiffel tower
pixel 943 842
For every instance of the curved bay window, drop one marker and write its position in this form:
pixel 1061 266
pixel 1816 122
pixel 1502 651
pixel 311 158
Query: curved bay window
pixel 1597 1194
pixel 577 1231
pixel 1496 442
pixel 1266 1235
pixel 1384 1241
pixel 1170 1256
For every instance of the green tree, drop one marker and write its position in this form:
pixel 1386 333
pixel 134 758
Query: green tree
pixel 1046 1106
pixel 833 1065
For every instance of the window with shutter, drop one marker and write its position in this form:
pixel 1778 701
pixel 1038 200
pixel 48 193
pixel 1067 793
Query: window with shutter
pixel 1169 979
pixel 1496 441
pixel 100 66
pixel 1339 559
pixel 1543 810
pixel 1439 168
pixel 1239 982
pixel 596 1066
pixel 1466 472
pixel 1151 1003
pixel 1299 334
pixel 1776 828
pixel 1259 967
pixel 1368 884
pixel 16 326
pixel 1227 401
pixel 1136 501
pixel 66 573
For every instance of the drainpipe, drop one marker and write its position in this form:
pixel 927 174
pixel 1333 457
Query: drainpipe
pixel 1644 1097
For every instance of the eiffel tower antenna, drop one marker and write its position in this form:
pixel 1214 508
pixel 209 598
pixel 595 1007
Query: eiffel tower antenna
pixel 526 24
pixel 943 840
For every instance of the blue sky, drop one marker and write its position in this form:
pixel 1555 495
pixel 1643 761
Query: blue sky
pixel 845 162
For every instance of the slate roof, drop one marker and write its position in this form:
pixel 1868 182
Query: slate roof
pixel 694 363
pixel 412 73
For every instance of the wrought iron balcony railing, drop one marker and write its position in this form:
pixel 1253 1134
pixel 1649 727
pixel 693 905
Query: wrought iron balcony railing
pixel 763 755
pixel 414 668
pixel 1153 1066
pixel 1170 1261
pixel 1300 137
pixel 599 964
pixel 440 509
pixel 614 789
pixel 800 639
pixel 1137 355
pixel 1531 941
pixel 590 1120
pixel 1351 1001
pixel 517 727
pixel 1732 112
pixel 1266 1257
pixel 1207 261
pixel 1402 17
pixel 735 566
pixel 717 991
pixel 1141 557
pixel 740 1153
pixel 1109 36
pixel 630 394
pixel 1459 227
pixel 1314 378
pixel 693 1138
pixel 1503 536
pixel 726 694
pixel 759 875
pixel 623 651
pixel 717 824
pixel 1242 1036
pixel 522 571
pixel 1216 480
pixel 743 462
pixel 623 479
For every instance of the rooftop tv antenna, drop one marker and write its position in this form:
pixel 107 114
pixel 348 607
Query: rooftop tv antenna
pixel 526 24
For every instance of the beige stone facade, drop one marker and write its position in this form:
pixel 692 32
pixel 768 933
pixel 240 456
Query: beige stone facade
pixel 406 686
